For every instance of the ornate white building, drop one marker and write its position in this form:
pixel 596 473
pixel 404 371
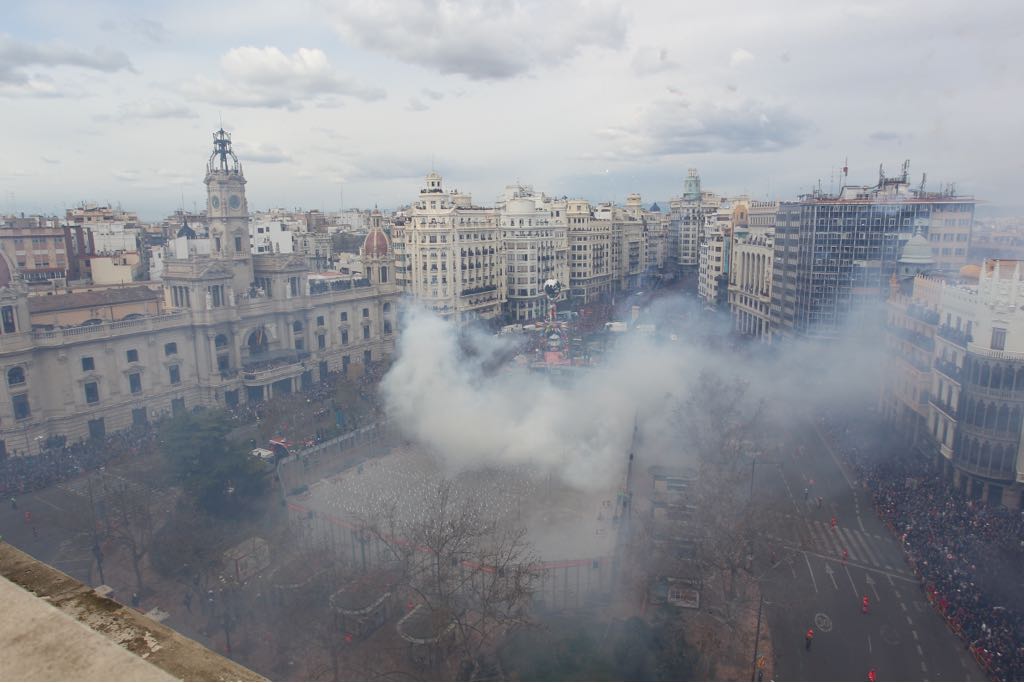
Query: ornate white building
pixel 233 327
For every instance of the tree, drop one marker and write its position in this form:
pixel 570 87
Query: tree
pixel 220 476
pixel 132 524
pixel 722 425
pixel 469 568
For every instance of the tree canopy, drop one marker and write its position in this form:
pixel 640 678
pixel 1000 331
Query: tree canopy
pixel 220 475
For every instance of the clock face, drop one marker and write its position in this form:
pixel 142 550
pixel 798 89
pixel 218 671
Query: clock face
pixel 235 201
pixel 215 201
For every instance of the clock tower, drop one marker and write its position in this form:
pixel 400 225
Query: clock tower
pixel 227 211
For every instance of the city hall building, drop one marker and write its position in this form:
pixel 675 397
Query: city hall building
pixel 228 327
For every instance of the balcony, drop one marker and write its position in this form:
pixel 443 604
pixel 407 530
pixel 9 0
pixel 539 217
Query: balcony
pixel 949 369
pixel 1007 475
pixel 951 334
pixel 271 367
pixel 993 353
pixel 921 341
pixel 479 290
pixel 68 335
pixel 949 410
pixel 925 315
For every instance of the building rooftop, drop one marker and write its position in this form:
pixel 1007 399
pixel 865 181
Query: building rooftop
pixel 56 628
pixel 93 299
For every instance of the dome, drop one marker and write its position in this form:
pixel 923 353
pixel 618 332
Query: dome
pixel 970 272
pixel 917 251
pixel 376 244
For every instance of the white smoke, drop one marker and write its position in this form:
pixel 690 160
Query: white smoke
pixel 581 430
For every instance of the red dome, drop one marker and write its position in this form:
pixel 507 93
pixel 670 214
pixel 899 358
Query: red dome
pixel 376 244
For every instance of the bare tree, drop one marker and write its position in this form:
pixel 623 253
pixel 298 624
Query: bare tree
pixel 132 522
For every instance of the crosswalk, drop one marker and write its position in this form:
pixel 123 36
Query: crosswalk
pixel 101 486
pixel 819 537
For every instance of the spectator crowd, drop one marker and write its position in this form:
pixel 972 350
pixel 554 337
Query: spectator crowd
pixel 965 553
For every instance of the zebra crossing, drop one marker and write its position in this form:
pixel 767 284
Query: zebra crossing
pixel 101 486
pixel 819 537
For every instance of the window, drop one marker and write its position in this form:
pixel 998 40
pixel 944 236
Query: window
pixel 344 316
pixel 238 244
pixel 92 392
pixel 21 407
pixel 175 374
pixel 171 349
pixel 344 337
pixel 387 307
pixel 366 312
pixel 366 332
pixel 300 344
pixel 15 376
pixel 321 341
pixel 345 360
pixel 88 364
pixel 7 313
pixel 319 321
pixel 998 339
pixel 135 383
pixel 297 326
pixel 367 357
pixel 133 355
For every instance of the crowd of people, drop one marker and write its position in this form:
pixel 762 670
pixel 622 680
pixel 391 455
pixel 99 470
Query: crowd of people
pixel 58 462
pixel 302 418
pixel 965 553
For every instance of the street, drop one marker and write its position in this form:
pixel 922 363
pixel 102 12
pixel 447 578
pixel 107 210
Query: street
pixel 811 584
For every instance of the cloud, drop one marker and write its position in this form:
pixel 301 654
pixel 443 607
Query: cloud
pixel 267 77
pixel 416 104
pixel 20 61
pixel 151 109
pixel 261 153
pixel 492 40
pixel 432 94
pixel 886 136
pixel 740 56
pixel 652 60
pixel 671 127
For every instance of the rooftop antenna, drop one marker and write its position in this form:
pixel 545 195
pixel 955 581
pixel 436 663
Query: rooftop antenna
pixel 831 180
pixel 924 179
pixel 846 169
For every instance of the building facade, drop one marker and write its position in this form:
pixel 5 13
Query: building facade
pixel 228 327
pixel 834 254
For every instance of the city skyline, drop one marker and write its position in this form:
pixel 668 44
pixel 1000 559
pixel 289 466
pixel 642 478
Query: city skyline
pixel 592 101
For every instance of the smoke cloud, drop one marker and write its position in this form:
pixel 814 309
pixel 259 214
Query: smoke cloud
pixel 581 428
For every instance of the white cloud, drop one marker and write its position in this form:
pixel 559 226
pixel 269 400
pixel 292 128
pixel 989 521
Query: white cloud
pixel 262 153
pixel 652 60
pixel 267 77
pixel 740 56
pixel 491 40
pixel 21 62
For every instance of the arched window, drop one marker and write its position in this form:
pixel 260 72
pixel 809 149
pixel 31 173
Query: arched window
pixel 1019 385
pixel 975 376
pixel 984 375
pixel 15 376
pixel 1015 417
pixel 220 341
pixel 1004 418
pixel 997 377
pixel 990 415
pixel 985 458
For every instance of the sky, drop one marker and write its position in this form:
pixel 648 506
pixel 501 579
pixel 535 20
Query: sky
pixel 350 103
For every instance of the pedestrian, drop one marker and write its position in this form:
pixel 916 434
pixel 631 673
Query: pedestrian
pixel 807 492
pixel 834 522
pixel 187 601
pixel 819 502
pixel 808 638
pixel 14 503
pixel 136 600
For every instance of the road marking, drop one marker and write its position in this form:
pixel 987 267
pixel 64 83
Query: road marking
pixel 889 576
pixel 871 582
pixel 897 593
pixel 815 583
pixel 832 453
pixel 924 668
pixel 920 651
pixel 903 607
pixel 860 522
pixel 831 575
pixel 914 633
pixel 46 502
pixel 869 645
pixel 854 564
pixel 823 622
pixel 856 593
pixel 910 621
